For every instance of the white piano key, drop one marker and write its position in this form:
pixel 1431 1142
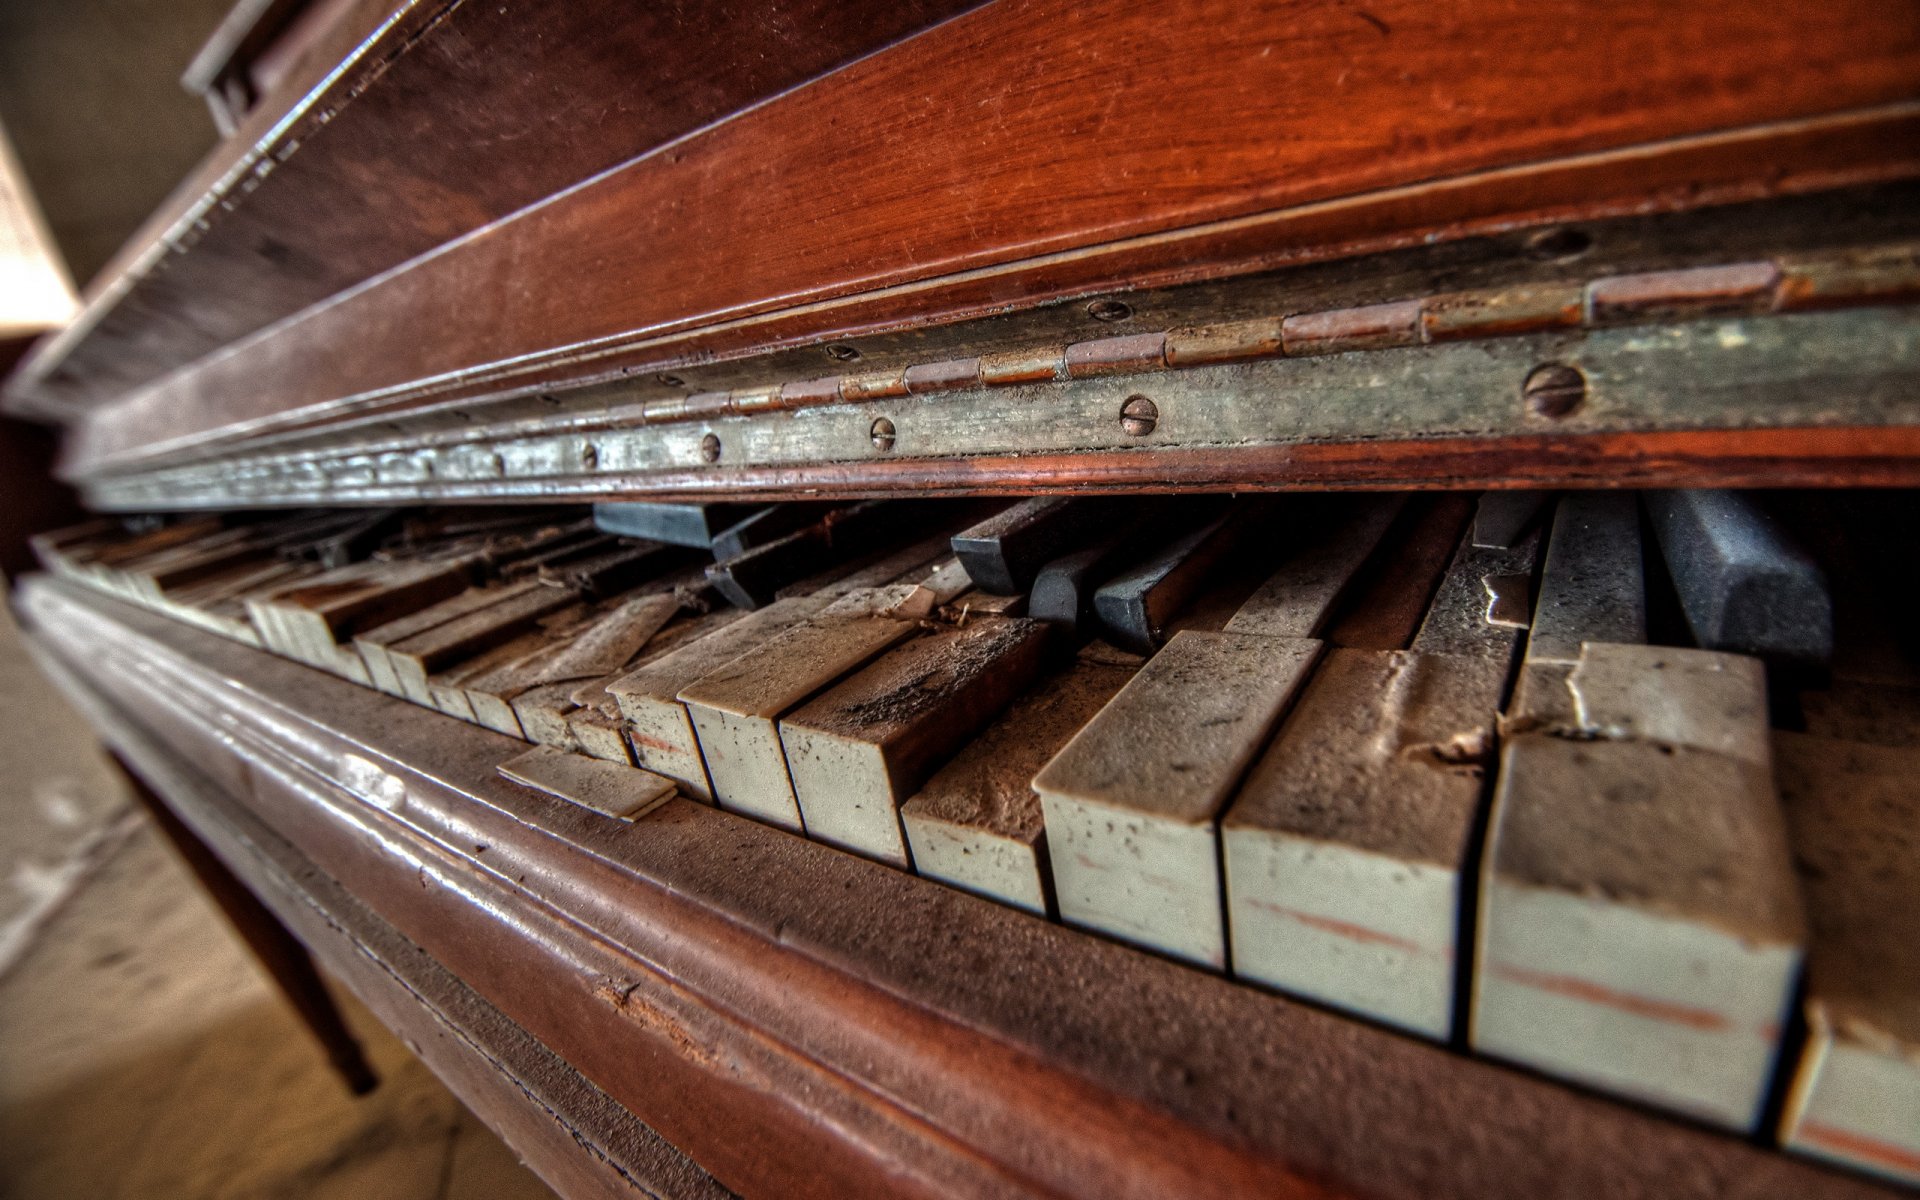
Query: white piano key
pixel 1853 812
pixel 736 709
pixel 1640 929
pixel 611 789
pixel 977 825
pixel 1133 800
pixel 1345 849
pixel 858 750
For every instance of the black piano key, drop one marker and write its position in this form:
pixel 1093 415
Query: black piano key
pixel 1744 584
pixel 1135 605
pixel 764 525
pixel 676 524
pixel 1004 553
pixel 754 578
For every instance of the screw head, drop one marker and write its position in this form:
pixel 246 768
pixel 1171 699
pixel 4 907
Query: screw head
pixel 1109 310
pixel 710 448
pixel 1554 390
pixel 881 434
pixel 589 456
pixel 1138 416
pixel 841 352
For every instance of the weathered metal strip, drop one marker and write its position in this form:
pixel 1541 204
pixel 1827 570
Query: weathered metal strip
pixel 1833 368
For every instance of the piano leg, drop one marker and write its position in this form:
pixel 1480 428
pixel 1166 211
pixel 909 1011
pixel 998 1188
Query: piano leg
pixel 278 952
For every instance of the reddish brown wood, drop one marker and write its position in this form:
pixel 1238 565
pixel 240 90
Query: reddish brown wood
pixel 1157 143
pixel 723 980
pixel 456 115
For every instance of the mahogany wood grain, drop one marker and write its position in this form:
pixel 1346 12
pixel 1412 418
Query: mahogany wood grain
pixel 1153 140
pixel 449 118
pixel 703 969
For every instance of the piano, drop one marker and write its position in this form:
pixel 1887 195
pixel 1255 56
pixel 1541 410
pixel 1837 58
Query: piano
pixel 1025 599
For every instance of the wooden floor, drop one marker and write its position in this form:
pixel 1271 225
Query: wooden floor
pixel 143 1056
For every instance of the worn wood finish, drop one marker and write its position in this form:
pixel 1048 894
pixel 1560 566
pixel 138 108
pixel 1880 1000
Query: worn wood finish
pixel 1160 143
pixel 692 965
pixel 412 122
pixel 573 1135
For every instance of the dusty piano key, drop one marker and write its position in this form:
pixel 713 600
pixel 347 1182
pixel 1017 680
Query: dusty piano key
pixel 1346 848
pixel 372 645
pixel 1640 929
pixel 219 603
pixel 572 643
pixel 610 789
pixel 662 733
pixel 1745 585
pixel 735 709
pixel 311 619
pixel 754 578
pixel 1853 813
pixel 508 611
pixel 1135 606
pixel 856 751
pixel 1132 802
pixel 1593 589
pixel 977 824
pixel 675 524
pixel 1004 553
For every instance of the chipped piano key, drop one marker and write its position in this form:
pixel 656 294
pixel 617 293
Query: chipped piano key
pixel 856 751
pixel 977 824
pixel 1346 848
pixel 1592 589
pixel 1853 814
pixel 1640 929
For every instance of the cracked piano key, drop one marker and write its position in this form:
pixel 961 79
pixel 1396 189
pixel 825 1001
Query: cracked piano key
pixel 1003 553
pixel 1745 585
pixel 856 751
pixel 1853 812
pixel 513 609
pixel 1135 606
pixel 610 789
pixel 977 824
pixel 1132 802
pixel 1640 929
pixel 735 709
pixel 1346 848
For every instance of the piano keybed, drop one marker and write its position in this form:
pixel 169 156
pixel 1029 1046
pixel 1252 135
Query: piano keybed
pixel 1539 777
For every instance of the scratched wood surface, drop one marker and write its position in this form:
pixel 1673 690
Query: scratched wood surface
pixel 946 175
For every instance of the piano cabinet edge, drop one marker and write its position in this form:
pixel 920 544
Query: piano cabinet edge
pixel 999 1081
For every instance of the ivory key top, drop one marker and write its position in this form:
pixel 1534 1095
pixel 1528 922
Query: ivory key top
pixel 735 709
pixel 1131 803
pixel 977 824
pixel 1853 812
pixel 1346 847
pixel 1640 928
pixel 861 748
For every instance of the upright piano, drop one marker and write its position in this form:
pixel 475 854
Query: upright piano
pixel 1098 599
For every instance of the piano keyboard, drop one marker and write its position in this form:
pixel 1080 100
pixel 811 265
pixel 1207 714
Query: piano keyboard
pixel 1619 789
